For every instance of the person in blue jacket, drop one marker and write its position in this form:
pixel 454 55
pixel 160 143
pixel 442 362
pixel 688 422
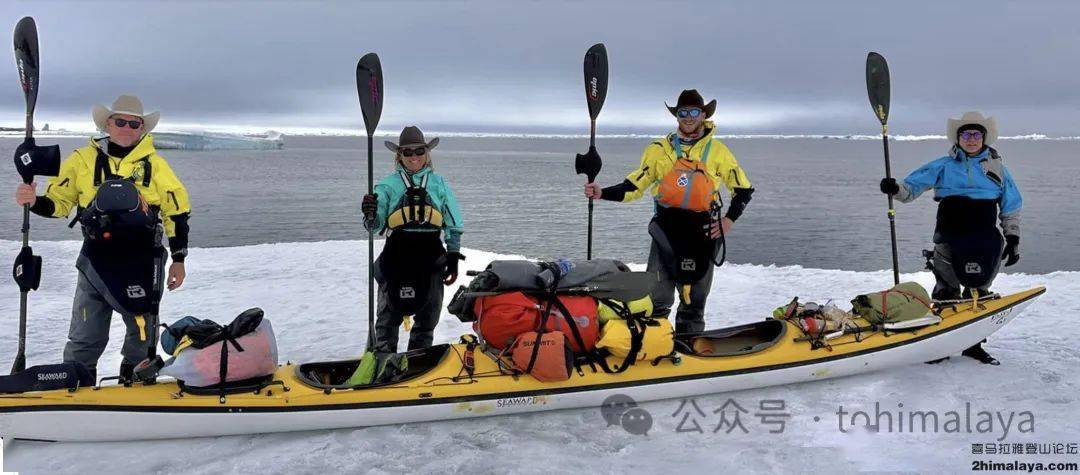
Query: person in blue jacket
pixel 412 206
pixel 974 191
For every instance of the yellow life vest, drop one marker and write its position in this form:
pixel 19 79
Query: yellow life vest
pixel 414 209
pixel 414 214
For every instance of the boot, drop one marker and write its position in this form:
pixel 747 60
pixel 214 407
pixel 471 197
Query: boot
pixel 979 354
pixel 942 292
pixel 127 374
pixel 147 370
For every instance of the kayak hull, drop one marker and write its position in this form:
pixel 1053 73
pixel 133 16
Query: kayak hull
pixel 156 412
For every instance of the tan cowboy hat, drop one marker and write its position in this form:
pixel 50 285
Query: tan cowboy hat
pixel 411 136
pixel 973 118
pixel 125 104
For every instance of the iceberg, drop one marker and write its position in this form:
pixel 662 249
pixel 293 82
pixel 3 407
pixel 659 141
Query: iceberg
pixel 270 140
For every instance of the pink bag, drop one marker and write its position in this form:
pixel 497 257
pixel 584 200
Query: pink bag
pixel 202 367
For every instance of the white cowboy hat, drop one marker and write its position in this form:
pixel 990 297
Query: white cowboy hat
pixel 973 117
pixel 125 104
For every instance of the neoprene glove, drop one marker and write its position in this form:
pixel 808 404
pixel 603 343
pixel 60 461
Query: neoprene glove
pixel 889 186
pixel 33 160
pixel 588 164
pixel 450 273
pixel 369 206
pixel 1012 250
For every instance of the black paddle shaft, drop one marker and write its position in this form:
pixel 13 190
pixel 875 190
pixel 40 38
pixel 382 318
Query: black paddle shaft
pixel 369 87
pixel 878 90
pixel 596 84
pixel 27 64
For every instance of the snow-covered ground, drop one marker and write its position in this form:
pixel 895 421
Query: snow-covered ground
pixel 315 293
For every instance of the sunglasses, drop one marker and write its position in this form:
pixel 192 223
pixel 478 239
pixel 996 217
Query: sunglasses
pixel 971 135
pixel 690 112
pixel 135 124
pixel 418 151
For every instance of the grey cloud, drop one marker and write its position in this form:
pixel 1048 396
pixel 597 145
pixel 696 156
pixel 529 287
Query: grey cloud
pixel 516 65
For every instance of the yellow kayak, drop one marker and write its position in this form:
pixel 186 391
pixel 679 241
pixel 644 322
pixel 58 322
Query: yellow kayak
pixel 438 385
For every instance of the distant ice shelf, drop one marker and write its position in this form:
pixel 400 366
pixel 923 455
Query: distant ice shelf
pixel 217 141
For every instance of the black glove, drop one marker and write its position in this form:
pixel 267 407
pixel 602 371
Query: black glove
pixel 889 186
pixel 369 206
pixel 32 160
pixel 451 271
pixel 1012 250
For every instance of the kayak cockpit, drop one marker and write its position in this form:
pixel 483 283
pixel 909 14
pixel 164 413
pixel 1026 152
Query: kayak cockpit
pixel 732 341
pixel 328 375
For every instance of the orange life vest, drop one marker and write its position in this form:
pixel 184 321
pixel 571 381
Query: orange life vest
pixel 688 184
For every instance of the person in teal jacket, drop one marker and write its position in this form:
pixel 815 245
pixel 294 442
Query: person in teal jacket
pixel 412 206
pixel 974 190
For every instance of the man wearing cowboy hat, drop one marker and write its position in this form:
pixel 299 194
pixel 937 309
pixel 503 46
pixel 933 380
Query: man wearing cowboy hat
pixel 685 171
pixel 412 206
pixel 115 272
pixel 974 190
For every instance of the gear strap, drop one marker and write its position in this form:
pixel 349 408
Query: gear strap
pixel 418 213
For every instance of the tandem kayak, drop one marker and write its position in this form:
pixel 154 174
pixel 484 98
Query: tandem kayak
pixel 304 397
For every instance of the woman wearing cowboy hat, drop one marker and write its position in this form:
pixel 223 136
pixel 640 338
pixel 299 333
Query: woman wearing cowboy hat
pixel 974 190
pixel 121 258
pixel 685 171
pixel 412 206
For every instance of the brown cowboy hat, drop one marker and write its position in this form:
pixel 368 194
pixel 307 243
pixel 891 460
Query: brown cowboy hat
pixel 411 136
pixel 692 98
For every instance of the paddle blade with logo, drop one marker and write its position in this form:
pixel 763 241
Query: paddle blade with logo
pixel 877 85
pixel 596 82
pixel 596 78
pixel 369 85
pixel 30 159
pixel 26 60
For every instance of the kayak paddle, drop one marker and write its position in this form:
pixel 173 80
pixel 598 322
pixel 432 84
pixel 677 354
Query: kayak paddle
pixel 30 160
pixel 369 86
pixel 877 88
pixel 596 83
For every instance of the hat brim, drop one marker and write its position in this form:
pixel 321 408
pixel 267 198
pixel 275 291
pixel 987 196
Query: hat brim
pixel 709 109
pixel 101 116
pixel 989 123
pixel 395 147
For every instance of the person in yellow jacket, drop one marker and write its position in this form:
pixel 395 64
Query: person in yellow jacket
pixel 685 171
pixel 125 196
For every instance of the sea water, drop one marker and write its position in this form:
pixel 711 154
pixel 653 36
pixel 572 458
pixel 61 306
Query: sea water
pixel 816 202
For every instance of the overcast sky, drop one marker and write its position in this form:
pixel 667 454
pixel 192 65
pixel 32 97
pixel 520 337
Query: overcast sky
pixel 774 67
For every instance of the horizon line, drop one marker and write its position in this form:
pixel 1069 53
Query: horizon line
pixel 334 132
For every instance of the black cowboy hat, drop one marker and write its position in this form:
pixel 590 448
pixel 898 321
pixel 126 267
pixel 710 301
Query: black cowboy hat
pixel 692 98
